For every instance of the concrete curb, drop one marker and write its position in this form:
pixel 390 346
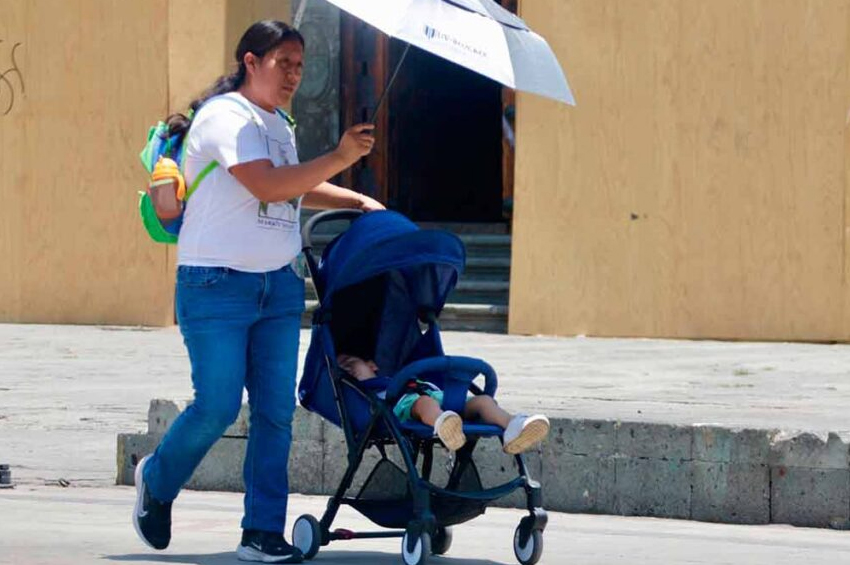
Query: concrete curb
pixel 700 472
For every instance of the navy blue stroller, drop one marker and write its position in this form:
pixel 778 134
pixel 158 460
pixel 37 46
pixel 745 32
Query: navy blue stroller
pixel 382 285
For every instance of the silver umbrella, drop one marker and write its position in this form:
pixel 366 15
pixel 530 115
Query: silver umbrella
pixel 477 34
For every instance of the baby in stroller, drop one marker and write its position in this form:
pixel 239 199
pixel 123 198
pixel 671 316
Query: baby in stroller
pixel 422 403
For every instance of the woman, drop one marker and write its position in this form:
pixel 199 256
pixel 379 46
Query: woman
pixel 238 300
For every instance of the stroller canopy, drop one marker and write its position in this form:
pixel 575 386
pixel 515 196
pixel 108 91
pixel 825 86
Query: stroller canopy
pixel 380 242
pixel 375 282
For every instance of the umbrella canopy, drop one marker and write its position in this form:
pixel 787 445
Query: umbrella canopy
pixel 477 34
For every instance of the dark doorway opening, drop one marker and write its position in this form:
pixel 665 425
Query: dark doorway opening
pixel 445 153
pixel 442 153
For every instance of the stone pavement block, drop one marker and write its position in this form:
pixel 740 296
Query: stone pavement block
pixel 221 468
pixel 597 438
pixel 131 449
pixel 335 462
pixel 305 466
pixel 652 487
pixel 307 425
pixel 736 493
pixel 654 441
pixel 497 467
pixel 810 497
pixel 807 449
pixel 162 413
pixel 725 445
pixel 577 483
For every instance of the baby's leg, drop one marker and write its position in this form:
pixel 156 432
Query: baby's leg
pixel 484 408
pixel 426 410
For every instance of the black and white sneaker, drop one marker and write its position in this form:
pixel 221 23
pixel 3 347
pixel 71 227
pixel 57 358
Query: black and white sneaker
pixel 151 518
pixel 267 547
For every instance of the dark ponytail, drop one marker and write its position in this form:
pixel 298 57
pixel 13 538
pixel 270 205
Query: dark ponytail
pixel 259 39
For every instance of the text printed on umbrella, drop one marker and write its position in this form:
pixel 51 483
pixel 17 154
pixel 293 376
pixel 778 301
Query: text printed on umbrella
pixel 436 35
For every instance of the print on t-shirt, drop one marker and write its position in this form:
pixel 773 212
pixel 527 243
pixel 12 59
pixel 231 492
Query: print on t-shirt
pixel 279 215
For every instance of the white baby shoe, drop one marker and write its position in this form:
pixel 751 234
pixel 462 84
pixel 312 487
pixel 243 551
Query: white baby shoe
pixel 449 428
pixel 524 431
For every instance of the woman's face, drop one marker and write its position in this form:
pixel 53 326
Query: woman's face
pixel 277 75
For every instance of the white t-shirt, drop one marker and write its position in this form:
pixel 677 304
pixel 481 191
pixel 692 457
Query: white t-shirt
pixel 224 225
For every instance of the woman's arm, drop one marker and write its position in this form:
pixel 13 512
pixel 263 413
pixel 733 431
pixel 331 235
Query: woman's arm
pixel 328 196
pixel 278 184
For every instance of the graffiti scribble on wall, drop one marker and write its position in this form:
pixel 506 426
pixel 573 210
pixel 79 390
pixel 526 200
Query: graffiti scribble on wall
pixel 11 79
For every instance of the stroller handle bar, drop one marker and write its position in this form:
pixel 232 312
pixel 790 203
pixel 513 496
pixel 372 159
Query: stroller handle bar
pixel 321 218
pixel 457 368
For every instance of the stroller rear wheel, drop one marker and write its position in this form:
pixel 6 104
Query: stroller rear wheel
pixel 442 541
pixel 530 553
pixel 421 549
pixel 307 535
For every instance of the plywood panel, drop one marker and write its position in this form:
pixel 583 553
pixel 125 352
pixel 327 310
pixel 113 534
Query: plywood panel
pixel 75 252
pixel 12 142
pixel 96 74
pixel 197 36
pixel 242 13
pixel 698 190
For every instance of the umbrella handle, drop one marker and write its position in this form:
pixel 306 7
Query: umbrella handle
pixel 389 85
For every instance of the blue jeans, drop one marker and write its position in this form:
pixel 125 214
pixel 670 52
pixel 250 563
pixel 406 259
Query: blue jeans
pixel 241 331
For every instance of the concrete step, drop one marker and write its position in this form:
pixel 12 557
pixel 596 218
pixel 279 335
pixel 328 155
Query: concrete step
pixel 477 245
pixel 480 292
pixel 701 472
pixel 466 227
pixel 487 269
pixel 487 245
pixel 488 318
pixel 466 292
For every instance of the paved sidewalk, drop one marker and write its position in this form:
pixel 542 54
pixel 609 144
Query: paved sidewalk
pixel 66 392
pixel 80 526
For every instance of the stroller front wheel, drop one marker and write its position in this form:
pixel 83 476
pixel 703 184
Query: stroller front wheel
pixel 442 541
pixel 307 535
pixel 530 553
pixel 421 549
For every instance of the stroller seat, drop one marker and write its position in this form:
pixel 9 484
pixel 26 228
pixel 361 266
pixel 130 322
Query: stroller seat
pixel 423 431
pixel 379 386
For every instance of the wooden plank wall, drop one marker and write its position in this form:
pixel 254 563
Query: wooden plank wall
pixel 699 188
pixel 96 74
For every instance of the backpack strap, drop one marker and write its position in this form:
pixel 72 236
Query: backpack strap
pixel 289 119
pixel 253 113
pixel 201 176
pixel 210 167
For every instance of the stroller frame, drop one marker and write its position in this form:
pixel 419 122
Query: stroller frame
pixel 424 528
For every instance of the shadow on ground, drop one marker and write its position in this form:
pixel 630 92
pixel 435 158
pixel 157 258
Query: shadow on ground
pixel 324 557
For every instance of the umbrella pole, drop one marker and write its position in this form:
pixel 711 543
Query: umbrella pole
pixel 389 85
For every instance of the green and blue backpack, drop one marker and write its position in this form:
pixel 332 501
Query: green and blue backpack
pixel 160 144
